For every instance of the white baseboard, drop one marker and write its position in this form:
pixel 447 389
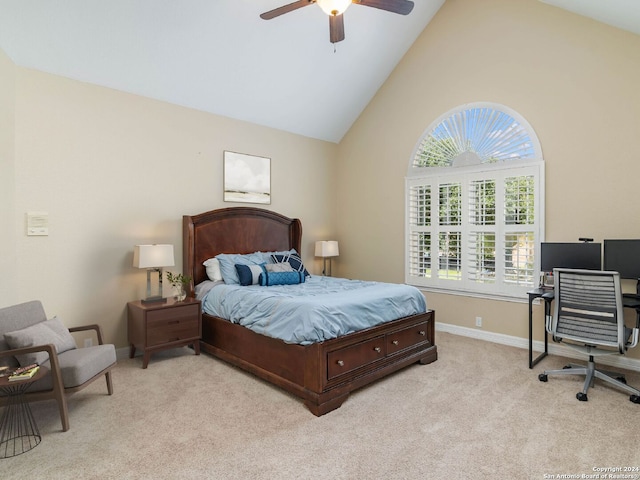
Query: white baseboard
pixel 122 353
pixel 619 361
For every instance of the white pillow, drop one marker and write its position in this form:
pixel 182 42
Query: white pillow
pixel 43 333
pixel 212 266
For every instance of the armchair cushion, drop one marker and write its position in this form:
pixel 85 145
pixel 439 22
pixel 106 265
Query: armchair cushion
pixel 50 331
pixel 79 365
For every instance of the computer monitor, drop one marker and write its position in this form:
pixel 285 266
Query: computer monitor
pixel 623 256
pixel 585 255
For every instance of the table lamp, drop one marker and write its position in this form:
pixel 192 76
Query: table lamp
pixel 153 258
pixel 327 249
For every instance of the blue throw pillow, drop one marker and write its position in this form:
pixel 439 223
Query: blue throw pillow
pixel 293 259
pixel 280 278
pixel 249 274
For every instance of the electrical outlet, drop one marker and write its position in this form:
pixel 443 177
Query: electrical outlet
pixel 88 342
pixel 478 321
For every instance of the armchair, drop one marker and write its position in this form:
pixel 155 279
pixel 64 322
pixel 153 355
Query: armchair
pixel 25 334
pixel 588 316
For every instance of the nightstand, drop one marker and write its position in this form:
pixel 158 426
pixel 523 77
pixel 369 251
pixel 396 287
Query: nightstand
pixel 158 326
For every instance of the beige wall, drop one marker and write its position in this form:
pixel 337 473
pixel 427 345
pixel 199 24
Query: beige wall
pixel 8 265
pixel 573 79
pixel 114 170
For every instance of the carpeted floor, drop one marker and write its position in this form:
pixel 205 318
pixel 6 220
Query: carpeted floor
pixel 476 413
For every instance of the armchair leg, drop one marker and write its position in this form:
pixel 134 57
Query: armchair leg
pixel 109 383
pixel 64 413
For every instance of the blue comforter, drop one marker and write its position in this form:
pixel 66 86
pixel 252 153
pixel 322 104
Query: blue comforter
pixel 319 309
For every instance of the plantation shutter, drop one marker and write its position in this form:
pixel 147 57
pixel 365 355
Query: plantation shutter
pixel 475 198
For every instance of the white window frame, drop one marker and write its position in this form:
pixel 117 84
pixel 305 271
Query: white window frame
pixel 500 171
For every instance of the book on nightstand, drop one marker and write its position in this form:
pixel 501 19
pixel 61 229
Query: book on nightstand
pixel 24 374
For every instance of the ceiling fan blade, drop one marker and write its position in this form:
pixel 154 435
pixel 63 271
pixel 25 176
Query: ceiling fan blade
pixel 276 12
pixel 336 28
pixel 403 7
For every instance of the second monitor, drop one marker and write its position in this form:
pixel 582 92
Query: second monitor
pixel 623 256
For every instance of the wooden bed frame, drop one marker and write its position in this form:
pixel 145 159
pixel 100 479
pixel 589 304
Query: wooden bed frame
pixel 322 374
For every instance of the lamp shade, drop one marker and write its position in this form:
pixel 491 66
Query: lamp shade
pixel 327 248
pixel 153 256
pixel 333 7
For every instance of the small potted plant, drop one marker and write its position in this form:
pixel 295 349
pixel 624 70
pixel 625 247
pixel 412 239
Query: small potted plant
pixel 180 284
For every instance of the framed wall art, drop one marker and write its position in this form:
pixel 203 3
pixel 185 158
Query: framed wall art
pixel 247 178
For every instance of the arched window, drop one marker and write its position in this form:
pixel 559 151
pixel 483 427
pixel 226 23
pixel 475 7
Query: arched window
pixel 475 203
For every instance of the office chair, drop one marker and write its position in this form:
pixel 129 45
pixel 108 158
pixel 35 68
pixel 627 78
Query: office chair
pixel 588 316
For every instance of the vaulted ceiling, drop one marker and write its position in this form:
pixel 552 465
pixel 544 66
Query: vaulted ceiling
pixel 219 56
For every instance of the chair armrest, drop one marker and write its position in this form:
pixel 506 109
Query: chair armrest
pixel 49 348
pixel 53 358
pixel 634 338
pixel 548 320
pixel 83 328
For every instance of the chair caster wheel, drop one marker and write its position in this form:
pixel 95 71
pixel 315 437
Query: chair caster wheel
pixel 582 396
pixel 542 377
pixel 622 380
pixel 635 398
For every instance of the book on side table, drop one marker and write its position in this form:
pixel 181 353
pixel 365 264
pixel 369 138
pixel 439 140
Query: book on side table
pixel 24 373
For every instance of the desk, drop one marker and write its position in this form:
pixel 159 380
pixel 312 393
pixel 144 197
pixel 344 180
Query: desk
pixel 547 294
pixel 18 430
pixel 533 294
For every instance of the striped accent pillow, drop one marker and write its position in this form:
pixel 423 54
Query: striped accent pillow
pixel 294 260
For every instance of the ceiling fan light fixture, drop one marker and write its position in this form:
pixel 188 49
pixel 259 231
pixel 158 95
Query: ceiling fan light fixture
pixel 333 7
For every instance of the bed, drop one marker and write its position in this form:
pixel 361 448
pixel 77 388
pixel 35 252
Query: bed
pixel 324 373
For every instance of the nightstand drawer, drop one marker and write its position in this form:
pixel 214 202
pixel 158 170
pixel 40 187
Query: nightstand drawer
pixel 172 331
pixel 165 326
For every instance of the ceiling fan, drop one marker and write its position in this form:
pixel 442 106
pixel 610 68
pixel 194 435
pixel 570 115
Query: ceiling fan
pixel 335 9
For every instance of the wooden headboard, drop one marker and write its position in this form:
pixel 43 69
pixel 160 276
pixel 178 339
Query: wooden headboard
pixel 234 230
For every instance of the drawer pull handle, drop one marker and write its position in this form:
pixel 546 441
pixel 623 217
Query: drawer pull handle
pixel 173 322
pixel 422 332
pixel 377 349
pixel 341 363
pixel 395 342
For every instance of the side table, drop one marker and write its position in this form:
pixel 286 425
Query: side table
pixel 18 429
pixel 159 326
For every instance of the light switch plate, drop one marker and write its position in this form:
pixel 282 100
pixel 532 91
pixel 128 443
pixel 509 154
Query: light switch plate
pixel 37 223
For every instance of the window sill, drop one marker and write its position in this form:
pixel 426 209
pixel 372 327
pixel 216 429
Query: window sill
pixel 504 297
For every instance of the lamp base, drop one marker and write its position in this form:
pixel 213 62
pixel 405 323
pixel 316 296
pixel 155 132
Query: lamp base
pixel 324 267
pixel 157 299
